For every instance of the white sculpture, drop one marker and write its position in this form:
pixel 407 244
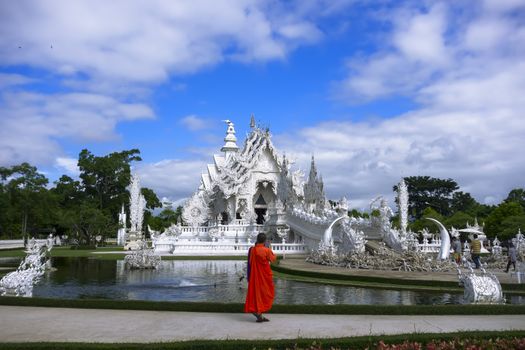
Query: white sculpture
pixel 402 200
pixel 353 239
pixel 481 288
pixel 195 211
pixel 444 251
pixel 29 272
pixel 136 206
pixel 142 258
pixel 497 250
pixel 393 238
pixel 121 233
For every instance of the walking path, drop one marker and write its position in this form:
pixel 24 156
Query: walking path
pixel 39 324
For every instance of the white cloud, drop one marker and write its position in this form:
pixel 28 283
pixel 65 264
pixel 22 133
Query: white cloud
pixel 146 41
pixel 11 79
pixel 195 123
pixel 173 178
pixel 69 165
pixel 32 123
pixel 361 160
pixel 421 37
pixel 468 76
pixel 104 54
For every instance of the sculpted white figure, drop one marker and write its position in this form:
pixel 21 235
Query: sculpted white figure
pixel 136 206
pixel 29 272
pixel 195 212
pixel 483 288
pixel 142 258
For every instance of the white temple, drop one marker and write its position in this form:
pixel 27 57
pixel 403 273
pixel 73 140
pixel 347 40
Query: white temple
pixel 251 190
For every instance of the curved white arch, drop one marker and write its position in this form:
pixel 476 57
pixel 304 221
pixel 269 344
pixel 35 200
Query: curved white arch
pixel 444 250
pixel 327 237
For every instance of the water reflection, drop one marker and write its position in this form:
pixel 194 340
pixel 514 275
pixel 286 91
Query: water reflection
pixel 214 281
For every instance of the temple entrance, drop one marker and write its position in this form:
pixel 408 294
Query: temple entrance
pixel 224 218
pixel 262 199
pixel 260 207
pixel 260 213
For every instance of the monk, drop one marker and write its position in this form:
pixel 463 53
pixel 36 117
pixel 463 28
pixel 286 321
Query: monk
pixel 261 291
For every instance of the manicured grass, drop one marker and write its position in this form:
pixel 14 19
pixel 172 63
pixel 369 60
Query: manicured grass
pixel 360 342
pixel 381 282
pixel 341 309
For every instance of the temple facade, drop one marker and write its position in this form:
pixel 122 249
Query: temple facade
pixel 248 190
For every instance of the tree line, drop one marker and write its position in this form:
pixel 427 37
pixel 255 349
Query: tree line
pixel 443 200
pixel 81 209
pixel 88 207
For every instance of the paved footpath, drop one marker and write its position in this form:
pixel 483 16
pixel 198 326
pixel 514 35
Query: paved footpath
pixel 39 324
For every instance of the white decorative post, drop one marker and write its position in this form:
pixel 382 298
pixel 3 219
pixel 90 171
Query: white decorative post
pixel 402 192
pixel 136 208
pixel 121 234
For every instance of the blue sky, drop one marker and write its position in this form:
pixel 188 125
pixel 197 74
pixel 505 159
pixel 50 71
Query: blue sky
pixel 376 90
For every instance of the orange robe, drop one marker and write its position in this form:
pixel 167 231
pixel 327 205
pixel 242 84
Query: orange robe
pixel 261 291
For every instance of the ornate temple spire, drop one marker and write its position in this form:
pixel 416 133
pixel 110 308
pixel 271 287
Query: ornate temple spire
pixel 313 170
pixel 313 190
pixel 230 146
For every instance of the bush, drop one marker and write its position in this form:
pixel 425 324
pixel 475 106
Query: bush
pixel 83 247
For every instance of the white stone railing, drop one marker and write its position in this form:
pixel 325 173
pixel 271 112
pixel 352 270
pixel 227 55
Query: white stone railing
pixel 433 247
pixel 231 229
pixel 223 248
pixel 11 243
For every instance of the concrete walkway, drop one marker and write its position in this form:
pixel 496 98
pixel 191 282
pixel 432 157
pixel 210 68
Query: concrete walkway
pixel 38 324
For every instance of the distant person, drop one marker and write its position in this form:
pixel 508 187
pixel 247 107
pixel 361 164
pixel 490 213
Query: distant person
pixel 261 291
pixel 512 257
pixel 456 246
pixel 475 250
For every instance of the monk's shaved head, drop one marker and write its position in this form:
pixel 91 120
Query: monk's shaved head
pixel 261 238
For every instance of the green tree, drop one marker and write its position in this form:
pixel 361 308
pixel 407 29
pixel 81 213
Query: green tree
pixel 426 191
pixel 458 220
pixel 86 222
pixel 516 195
pixel 105 178
pixel 509 226
pixel 422 223
pixel 152 201
pixel 462 201
pixel 497 216
pixel 165 218
pixel 25 196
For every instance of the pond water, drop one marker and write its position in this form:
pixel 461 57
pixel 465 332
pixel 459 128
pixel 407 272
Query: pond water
pixel 207 280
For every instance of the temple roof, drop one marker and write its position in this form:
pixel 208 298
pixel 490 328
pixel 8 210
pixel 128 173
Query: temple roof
pixel 228 175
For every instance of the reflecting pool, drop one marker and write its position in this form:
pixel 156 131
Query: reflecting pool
pixel 207 280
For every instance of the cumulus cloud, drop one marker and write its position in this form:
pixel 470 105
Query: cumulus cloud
pixel 69 165
pixel 467 80
pixel 195 123
pixel 172 178
pixel 104 54
pixel 32 123
pixel 146 41
pixel 11 79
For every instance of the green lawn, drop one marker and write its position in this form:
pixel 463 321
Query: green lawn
pixel 483 340
pixel 340 309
